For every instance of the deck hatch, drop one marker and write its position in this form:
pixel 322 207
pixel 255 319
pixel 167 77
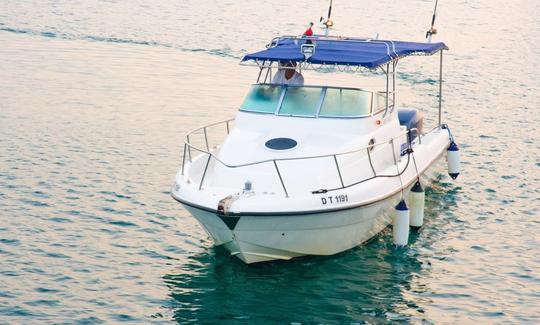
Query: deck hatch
pixel 281 144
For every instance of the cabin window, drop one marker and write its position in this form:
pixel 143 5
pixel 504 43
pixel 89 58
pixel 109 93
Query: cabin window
pixel 379 102
pixel 262 99
pixel 301 101
pixel 313 101
pixel 346 103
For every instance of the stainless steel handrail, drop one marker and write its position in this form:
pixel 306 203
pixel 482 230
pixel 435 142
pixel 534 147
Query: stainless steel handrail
pixel 210 125
pixel 188 146
pixel 387 43
pixel 295 158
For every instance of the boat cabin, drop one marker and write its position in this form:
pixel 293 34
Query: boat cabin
pixel 330 54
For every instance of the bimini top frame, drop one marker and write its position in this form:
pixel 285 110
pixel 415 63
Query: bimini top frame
pixel 320 52
pixel 347 54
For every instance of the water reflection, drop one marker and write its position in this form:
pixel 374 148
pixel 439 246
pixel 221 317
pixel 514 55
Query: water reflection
pixel 369 284
pixel 355 285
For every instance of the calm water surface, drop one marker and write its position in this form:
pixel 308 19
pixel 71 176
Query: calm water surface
pixel 95 98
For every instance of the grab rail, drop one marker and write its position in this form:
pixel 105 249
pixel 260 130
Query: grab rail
pixel 369 148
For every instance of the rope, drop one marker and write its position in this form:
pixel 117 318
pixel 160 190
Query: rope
pixel 397 168
pixel 414 159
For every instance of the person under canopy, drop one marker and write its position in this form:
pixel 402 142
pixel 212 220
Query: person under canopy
pixel 287 75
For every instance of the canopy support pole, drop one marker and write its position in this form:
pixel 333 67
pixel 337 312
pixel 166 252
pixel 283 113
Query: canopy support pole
pixel 260 72
pixel 394 64
pixel 266 76
pixel 440 88
pixel 387 86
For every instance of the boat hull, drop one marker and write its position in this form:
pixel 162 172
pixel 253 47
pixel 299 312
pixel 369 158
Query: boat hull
pixel 263 238
pixel 259 225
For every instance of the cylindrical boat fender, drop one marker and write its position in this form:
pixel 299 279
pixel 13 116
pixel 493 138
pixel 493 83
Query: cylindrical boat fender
pixel 400 225
pixel 417 199
pixel 453 160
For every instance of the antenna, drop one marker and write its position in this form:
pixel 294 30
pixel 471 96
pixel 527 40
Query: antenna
pixel 432 31
pixel 328 23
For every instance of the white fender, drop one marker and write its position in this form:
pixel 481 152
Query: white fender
pixel 453 160
pixel 400 229
pixel 417 199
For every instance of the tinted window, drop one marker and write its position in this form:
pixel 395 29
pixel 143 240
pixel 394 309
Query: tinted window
pixel 346 102
pixel 262 99
pixel 379 102
pixel 300 101
pixel 305 101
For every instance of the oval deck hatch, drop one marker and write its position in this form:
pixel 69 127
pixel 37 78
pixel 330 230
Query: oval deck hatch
pixel 281 144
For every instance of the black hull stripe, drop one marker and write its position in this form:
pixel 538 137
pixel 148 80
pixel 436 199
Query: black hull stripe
pixel 278 214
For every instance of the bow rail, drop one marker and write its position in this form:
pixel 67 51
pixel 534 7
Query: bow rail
pixel 208 150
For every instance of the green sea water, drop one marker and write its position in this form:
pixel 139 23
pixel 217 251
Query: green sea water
pixel 96 97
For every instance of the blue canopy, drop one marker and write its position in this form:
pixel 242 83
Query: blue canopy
pixel 342 51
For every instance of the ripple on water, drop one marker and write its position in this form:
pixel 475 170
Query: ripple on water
pixel 92 113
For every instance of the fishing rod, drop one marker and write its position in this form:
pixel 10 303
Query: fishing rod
pixel 432 31
pixel 328 23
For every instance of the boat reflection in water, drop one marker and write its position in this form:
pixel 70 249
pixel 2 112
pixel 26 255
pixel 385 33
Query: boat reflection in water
pixel 357 284
pixel 373 283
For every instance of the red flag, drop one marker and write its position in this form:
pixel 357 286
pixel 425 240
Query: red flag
pixel 308 31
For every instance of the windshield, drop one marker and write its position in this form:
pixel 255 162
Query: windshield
pixel 300 101
pixel 346 102
pixel 262 99
pixel 313 101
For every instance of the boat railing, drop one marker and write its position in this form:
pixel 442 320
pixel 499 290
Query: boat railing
pixel 189 147
pixel 389 45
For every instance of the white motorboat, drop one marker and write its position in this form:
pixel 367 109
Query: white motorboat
pixel 313 170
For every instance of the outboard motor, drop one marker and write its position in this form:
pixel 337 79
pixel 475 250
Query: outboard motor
pixel 412 119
